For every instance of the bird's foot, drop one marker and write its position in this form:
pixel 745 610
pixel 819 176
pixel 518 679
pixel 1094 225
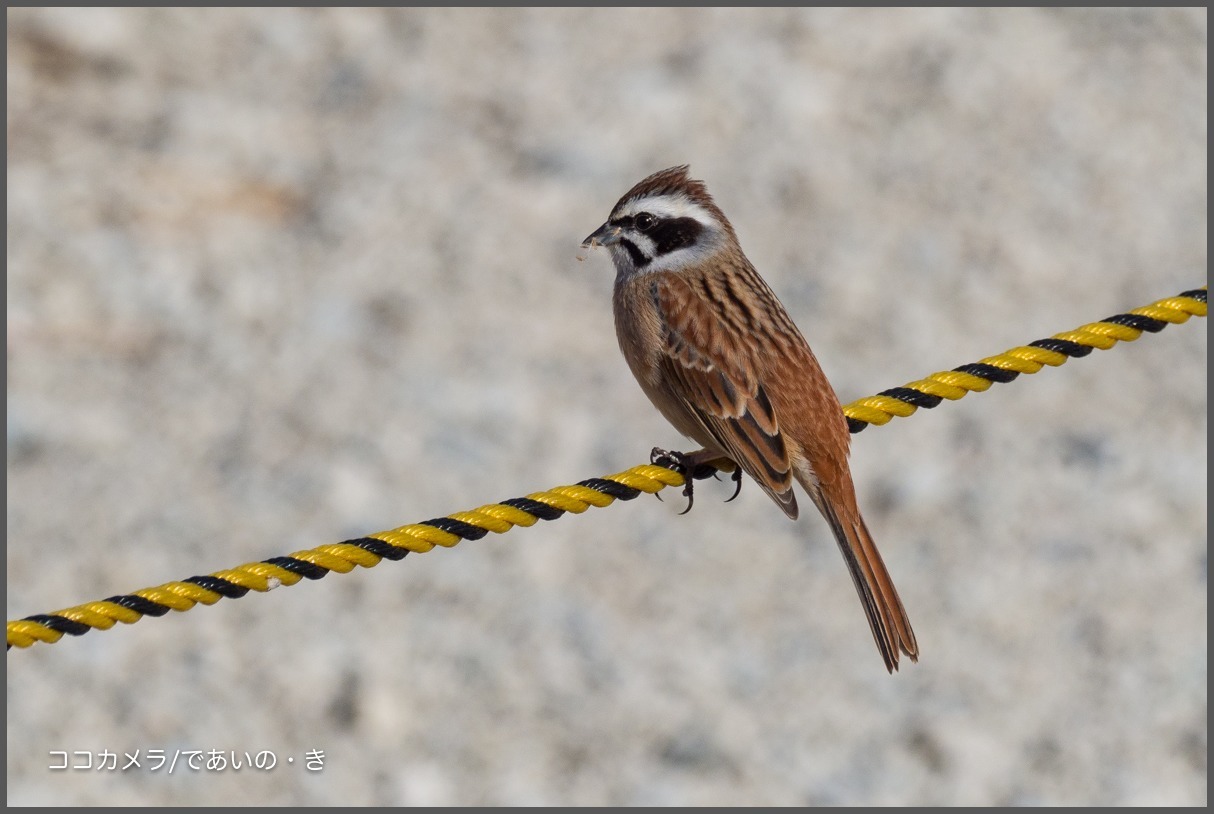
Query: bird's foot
pixel 692 466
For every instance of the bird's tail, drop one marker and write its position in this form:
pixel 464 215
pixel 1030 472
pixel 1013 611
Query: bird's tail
pixel 886 616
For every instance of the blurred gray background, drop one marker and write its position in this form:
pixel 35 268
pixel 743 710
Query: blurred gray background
pixel 280 278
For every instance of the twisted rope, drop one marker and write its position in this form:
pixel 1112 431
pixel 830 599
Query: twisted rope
pixel 979 376
pixel 499 518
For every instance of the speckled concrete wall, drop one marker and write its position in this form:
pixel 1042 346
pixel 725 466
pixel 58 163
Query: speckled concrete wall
pixel 281 278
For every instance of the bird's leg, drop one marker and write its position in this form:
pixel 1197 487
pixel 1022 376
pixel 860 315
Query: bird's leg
pixel 695 466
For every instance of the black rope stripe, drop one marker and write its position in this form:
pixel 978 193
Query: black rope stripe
pixel 144 607
pixel 912 396
pixel 541 510
pixel 302 567
pixel 61 624
pixel 988 372
pixel 1148 324
pixel 1064 346
pixel 619 491
pixel 220 586
pixel 457 527
pixel 379 548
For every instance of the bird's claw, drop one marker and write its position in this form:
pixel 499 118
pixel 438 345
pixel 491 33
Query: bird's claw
pixel 737 480
pixel 681 462
pixel 691 470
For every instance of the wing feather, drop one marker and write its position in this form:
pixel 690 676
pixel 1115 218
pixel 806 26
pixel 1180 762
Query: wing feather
pixel 712 368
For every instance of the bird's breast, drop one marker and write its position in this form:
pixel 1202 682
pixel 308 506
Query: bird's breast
pixel 638 326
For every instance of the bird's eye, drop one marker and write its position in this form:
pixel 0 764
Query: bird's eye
pixel 644 221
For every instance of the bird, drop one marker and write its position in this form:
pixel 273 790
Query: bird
pixel 719 356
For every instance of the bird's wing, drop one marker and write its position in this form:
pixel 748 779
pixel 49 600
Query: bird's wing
pixel 711 361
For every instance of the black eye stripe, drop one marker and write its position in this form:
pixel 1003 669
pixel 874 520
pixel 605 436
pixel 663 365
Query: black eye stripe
pixel 672 234
pixel 665 234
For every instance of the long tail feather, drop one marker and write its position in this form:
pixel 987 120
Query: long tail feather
pixel 886 616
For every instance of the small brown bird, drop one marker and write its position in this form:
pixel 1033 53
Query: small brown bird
pixel 719 356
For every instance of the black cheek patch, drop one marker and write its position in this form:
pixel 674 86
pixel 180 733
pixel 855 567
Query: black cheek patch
pixel 674 234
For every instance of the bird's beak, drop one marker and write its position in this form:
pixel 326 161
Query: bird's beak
pixel 605 235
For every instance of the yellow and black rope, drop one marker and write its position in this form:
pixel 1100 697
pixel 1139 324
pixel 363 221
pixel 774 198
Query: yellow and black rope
pixel 979 376
pixel 341 557
pixel 447 531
